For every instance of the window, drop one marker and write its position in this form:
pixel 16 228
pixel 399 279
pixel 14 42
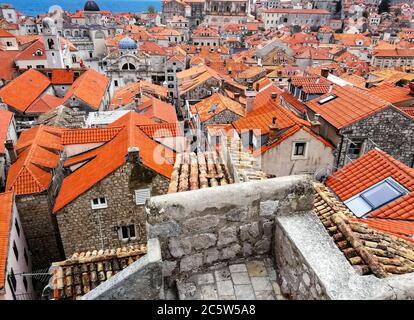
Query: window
pixel 170 78
pixel 26 257
pixel 115 83
pixel 299 149
pixel 171 86
pixel 141 195
pixel 99 203
pixel 327 99
pixel 354 149
pixel 16 252
pixel 12 280
pixel 375 197
pixel 128 232
pixel 9 44
pixel 40 66
pixel 16 225
pixel 25 283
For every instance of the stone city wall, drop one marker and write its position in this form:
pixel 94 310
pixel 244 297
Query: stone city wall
pixel 203 227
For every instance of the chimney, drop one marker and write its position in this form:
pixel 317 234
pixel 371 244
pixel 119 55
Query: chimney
pixel 411 86
pixel 315 124
pixel 119 102
pixel 325 72
pixel 257 87
pixel 250 96
pixel 137 100
pixel 273 129
pixel 12 151
pixel 273 95
pixel 133 155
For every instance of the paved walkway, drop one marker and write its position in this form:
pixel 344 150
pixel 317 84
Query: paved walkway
pixel 253 280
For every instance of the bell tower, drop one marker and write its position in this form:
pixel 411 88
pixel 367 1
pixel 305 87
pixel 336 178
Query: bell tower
pixel 52 43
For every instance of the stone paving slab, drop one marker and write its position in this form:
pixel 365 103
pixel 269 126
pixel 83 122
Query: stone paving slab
pixel 253 280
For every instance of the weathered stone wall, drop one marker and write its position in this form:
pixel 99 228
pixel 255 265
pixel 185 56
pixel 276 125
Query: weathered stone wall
pixel 224 223
pixel 297 280
pixel 392 131
pixel 40 228
pixel 83 228
pixel 225 116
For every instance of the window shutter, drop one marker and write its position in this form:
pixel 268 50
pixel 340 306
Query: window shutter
pixel 142 195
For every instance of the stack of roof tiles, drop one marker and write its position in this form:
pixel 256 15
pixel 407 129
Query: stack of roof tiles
pixel 370 251
pixel 63 117
pixel 198 171
pixel 245 165
pixel 85 271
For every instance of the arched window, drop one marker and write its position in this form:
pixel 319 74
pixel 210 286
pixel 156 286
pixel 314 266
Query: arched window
pixel 128 66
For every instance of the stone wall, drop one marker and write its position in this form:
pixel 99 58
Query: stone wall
pixel 40 228
pixel 83 228
pixel 310 265
pixel 202 227
pixel 386 128
pixel 141 280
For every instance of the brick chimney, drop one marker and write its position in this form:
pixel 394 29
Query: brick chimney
pixel 137 100
pixel 12 151
pixel 250 96
pixel 273 130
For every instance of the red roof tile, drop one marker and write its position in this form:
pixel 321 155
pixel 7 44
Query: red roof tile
pixel 90 87
pixel 221 103
pixel 6 207
pixel 32 83
pixel 44 104
pixel 5 119
pixel 30 52
pixel 88 135
pixel 110 156
pixel 62 76
pixel 371 168
pixel 399 228
pixel 391 93
pixel 162 130
pixel 7 66
pixel 37 150
pixel 350 105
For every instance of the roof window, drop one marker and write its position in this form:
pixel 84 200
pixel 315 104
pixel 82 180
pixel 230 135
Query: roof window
pixel 327 99
pixel 375 197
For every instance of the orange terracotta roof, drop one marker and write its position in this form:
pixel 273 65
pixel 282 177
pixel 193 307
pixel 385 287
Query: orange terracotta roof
pixel 162 130
pixel 371 168
pixel 295 103
pixel 127 93
pixel 391 93
pixel 88 135
pixel 7 66
pixel 5 119
pixel 409 111
pixel 32 83
pixel 397 52
pixel 265 95
pixel 221 103
pixel 29 52
pixel 6 209
pixel 157 110
pixel 152 48
pixel 37 150
pixel 62 76
pixel 261 118
pixel 90 87
pixel 6 34
pixel 44 104
pixel 110 156
pixel 296 11
pixel 350 105
pixel 404 229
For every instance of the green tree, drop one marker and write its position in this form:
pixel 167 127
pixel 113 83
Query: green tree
pixel 384 6
pixel 151 9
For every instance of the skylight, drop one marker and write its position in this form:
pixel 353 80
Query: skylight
pixel 327 99
pixel 375 197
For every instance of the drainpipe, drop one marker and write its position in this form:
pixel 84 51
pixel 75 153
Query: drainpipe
pixel 340 151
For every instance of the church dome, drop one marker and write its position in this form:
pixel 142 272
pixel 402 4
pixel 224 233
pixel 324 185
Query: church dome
pixel 127 43
pixel 91 6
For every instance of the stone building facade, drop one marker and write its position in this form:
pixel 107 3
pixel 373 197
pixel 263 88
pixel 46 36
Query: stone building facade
pixel 390 130
pixel 83 228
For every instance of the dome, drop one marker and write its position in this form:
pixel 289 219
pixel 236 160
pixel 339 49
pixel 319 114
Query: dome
pixel 91 6
pixel 48 22
pixel 127 43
